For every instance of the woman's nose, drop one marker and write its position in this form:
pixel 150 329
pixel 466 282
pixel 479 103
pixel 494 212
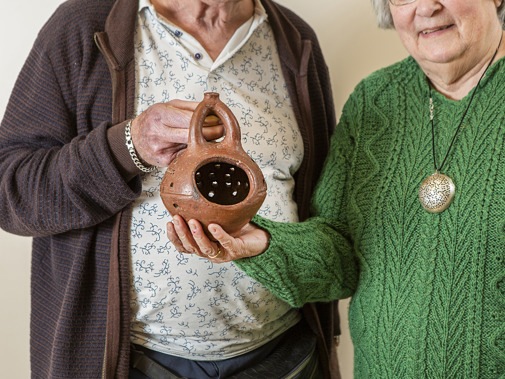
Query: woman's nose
pixel 428 8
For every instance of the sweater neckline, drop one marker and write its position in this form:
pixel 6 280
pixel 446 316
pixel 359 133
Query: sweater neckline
pixel 494 69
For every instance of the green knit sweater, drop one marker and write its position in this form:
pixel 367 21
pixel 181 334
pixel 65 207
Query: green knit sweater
pixel 428 290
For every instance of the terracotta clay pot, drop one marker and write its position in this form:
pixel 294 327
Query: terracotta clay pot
pixel 214 182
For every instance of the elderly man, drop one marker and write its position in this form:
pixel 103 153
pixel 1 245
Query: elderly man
pixel 101 106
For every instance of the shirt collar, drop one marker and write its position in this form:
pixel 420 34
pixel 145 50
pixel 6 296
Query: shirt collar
pixel 259 10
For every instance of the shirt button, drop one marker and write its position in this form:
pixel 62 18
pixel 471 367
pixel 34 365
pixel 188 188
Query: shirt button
pixel 198 56
pixel 178 33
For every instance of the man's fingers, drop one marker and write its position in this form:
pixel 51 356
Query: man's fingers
pixel 212 120
pixel 212 132
pixel 183 104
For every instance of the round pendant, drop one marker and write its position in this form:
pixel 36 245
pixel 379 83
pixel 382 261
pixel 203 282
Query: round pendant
pixel 436 193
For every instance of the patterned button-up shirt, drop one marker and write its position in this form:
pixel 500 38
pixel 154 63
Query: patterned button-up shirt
pixel 184 305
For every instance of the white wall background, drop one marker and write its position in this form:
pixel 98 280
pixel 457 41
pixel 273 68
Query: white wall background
pixel 353 47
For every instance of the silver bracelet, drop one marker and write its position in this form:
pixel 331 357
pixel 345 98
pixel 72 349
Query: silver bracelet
pixel 131 149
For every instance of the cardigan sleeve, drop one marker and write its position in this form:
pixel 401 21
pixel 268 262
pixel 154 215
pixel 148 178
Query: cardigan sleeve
pixel 314 261
pixel 57 169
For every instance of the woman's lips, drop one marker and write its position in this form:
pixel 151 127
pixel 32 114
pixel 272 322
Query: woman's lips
pixel 428 31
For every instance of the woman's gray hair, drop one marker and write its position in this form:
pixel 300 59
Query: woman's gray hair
pixel 385 20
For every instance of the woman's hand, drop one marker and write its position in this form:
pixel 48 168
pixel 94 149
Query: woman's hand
pixel 160 133
pixel 190 238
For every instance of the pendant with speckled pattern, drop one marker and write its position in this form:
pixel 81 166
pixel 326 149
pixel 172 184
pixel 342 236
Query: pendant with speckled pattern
pixel 436 193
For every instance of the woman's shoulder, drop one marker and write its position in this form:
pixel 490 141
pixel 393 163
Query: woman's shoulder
pixel 396 76
pixel 384 84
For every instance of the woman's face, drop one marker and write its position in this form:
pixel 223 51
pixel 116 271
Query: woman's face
pixel 445 31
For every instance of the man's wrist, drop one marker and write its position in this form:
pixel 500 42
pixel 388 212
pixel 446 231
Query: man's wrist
pixel 133 153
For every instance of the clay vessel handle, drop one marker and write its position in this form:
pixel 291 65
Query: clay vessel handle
pixel 212 105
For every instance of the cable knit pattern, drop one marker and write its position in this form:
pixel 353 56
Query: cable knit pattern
pixel 428 289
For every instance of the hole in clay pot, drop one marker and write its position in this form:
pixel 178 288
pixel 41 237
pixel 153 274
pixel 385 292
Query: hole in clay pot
pixel 222 183
pixel 176 205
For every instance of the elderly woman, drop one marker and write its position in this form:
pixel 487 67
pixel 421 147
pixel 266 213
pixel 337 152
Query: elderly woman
pixel 102 104
pixel 409 211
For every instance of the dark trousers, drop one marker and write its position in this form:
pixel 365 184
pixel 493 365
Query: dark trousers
pixel 291 355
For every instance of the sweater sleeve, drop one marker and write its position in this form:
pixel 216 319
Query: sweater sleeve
pixel 314 261
pixel 57 169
